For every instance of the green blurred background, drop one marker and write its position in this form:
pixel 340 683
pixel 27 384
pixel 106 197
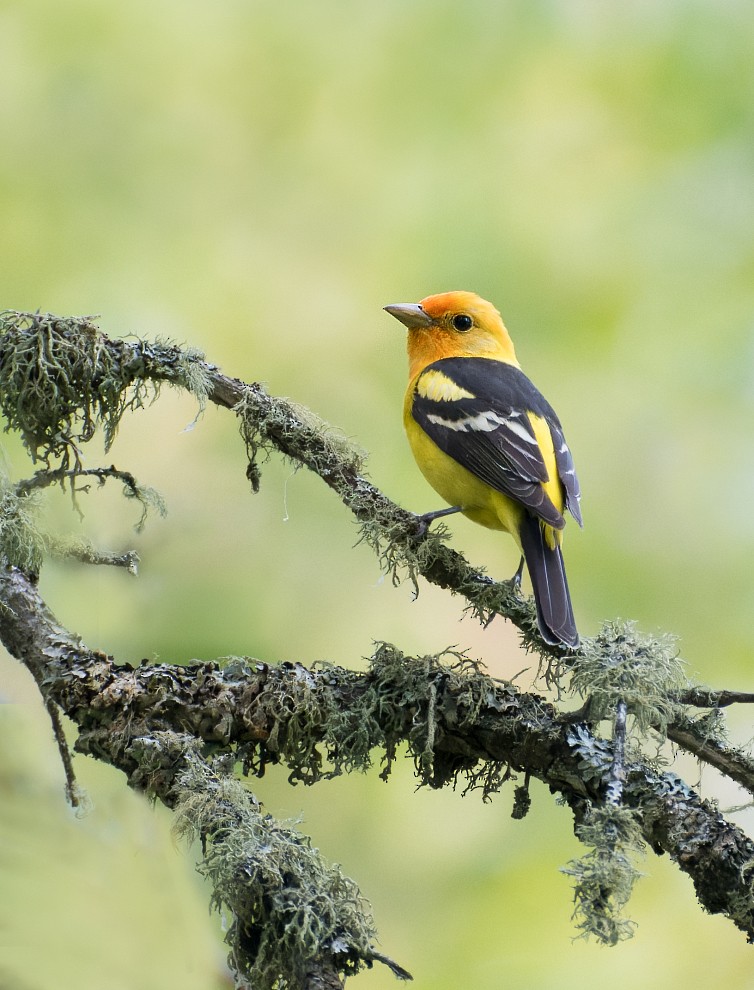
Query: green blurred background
pixel 258 180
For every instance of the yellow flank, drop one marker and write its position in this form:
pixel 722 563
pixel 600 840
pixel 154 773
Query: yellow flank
pixel 437 387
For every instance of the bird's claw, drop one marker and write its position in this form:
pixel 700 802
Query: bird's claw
pixel 422 525
pixel 423 521
pixel 515 581
pixel 483 579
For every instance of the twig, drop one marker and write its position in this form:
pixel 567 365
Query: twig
pixel 86 554
pixel 699 697
pixel 71 787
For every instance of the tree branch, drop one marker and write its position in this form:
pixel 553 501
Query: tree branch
pixel 176 731
pixel 461 724
pixel 150 723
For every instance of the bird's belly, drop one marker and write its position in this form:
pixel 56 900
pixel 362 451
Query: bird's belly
pixel 458 486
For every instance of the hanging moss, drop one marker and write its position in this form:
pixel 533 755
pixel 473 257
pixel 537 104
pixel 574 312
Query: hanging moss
pixel 22 543
pixel 605 876
pixel 61 379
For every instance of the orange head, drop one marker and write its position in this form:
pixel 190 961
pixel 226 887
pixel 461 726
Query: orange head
pixel 453 324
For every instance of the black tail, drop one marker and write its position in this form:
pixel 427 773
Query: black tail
pixel 547 572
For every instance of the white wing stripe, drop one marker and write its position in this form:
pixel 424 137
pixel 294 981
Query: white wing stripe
pixel 520 430
pixel 484 422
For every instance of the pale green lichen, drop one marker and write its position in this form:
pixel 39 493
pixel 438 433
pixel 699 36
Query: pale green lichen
pixel 622 664
pixel 400 550
pixel 604 877
pixel 22 543
pixel 326 721
pixel 290 909
pixel 61 379
pixel 323 725
pixel 268 423
pixel 191 373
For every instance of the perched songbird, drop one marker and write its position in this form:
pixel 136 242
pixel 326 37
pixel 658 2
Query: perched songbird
pixel 488 442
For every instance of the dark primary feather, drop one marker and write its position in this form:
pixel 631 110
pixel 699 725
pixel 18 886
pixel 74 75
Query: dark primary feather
pixel 548 577
pixel 506 456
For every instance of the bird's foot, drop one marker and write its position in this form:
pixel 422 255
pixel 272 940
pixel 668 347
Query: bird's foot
pixel 483 578
pixel 423 521
pixel 515 581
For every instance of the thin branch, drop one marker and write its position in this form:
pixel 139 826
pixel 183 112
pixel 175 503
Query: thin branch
pixel 731 762
pixel 84 553
pixel 700 697
pixel 71 787
pixel 47 477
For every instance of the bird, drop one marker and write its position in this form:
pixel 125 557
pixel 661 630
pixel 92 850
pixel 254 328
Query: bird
pixel 489 442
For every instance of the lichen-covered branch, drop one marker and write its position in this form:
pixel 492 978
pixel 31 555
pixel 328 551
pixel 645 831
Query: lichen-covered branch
pixel 269 422
pixel 461 725
pixel 61 379
pixel 295 918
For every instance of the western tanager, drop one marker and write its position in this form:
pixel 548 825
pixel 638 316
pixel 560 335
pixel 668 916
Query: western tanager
pixel 488 442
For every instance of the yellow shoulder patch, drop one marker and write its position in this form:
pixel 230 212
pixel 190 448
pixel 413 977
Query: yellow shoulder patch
pixel 437 387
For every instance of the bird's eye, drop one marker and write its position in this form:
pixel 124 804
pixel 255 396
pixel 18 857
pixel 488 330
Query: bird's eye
pixel 462 322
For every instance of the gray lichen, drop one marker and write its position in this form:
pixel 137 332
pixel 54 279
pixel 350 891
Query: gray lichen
pixel 622 664
pixel 290 908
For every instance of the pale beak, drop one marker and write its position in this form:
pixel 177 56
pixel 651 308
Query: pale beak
pixel 410 314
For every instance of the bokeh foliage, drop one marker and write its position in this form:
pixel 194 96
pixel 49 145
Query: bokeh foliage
pixel 259 179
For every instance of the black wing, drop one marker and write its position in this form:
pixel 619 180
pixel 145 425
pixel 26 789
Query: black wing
pixel 483 424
